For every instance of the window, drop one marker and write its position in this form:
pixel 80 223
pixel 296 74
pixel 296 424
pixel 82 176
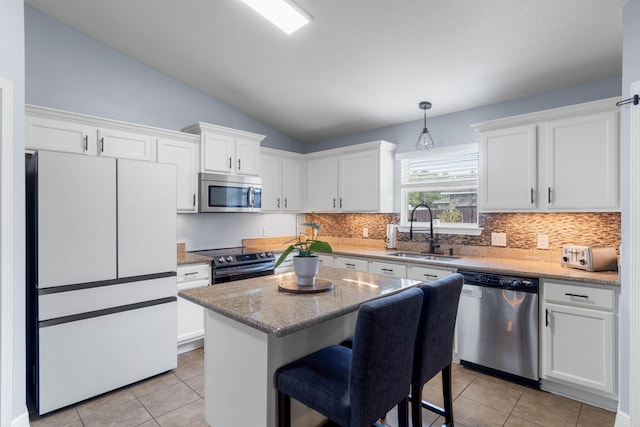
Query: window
pixel 446 180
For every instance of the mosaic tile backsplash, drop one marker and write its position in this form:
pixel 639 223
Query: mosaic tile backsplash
pixel 522 229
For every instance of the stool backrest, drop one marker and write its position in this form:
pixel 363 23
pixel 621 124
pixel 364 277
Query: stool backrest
pixel 434 342
pixel 382 352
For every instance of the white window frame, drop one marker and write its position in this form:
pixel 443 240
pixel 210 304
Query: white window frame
pixel 440 227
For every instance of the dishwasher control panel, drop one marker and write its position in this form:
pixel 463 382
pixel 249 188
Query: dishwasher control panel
pixel 524 284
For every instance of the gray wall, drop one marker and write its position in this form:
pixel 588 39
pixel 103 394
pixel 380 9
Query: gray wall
pixel 454 128
pixel 630 74
pixel 68 70
pixel 12 69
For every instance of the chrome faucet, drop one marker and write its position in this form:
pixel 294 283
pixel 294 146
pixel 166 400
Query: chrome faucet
pixel 432 243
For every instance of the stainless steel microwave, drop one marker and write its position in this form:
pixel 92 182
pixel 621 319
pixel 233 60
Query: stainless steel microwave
pixel 230 193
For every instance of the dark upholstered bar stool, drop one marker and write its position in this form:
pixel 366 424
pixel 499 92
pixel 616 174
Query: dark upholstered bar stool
pixel 355 387
pixel 434 345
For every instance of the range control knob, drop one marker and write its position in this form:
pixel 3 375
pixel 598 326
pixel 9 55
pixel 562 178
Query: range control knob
pixel 229 258
pixel 582 261
pixel 565 258
pixel 262 255
pixel 221 260
pixel 269 254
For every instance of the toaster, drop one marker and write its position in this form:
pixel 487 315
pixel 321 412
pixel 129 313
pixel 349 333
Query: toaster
pixel 588 258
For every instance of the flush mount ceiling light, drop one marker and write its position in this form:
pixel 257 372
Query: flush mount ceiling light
pixel 425 142
pixel 285 14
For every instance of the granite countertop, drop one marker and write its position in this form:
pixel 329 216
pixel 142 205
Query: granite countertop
pixel 259 304
pixel 191 258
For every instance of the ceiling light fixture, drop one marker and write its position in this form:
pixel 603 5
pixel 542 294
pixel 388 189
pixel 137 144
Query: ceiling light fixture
pixel 285 14
pixel 425 142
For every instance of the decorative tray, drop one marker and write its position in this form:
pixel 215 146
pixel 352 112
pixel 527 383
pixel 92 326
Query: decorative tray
pixel 292 286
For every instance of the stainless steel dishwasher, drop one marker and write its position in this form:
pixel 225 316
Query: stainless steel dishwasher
pixel 498 326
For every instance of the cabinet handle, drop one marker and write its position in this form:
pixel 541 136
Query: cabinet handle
pixel 102 145
pixel 239 165
pixel 549 194
pixel 229 162
pixel 278 202
pixel 532 196
pixel 285 203
pixel 430 276
pixel 340 202
pixel 334 203
pixel 194 200
pixel 86 142
pixel 349 265
pixel 190 274
pixel 577 296
pixel 387 270
pixel 546 317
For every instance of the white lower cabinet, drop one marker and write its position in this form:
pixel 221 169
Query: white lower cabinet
pixel 326 260
pixel 578 337
pixel 190 315
pixel 388 269
pixel 428 274
pixel 355 264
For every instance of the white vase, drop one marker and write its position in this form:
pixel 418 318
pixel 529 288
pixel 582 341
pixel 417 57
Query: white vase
pixel 306 269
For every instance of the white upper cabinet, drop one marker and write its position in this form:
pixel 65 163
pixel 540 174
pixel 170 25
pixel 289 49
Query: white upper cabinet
pixel 358 178
pixel 281 174
pixel 226 150
pixel 125 144
pixel 564 160
pixel 185 154
pixel 58 135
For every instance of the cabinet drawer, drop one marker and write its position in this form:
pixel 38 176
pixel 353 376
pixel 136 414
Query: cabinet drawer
pixel 427 274
pixel 581 296
pixel 194 272
pixel 388 269
pixel 354 264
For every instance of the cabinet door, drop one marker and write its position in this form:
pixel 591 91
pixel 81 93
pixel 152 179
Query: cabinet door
pixel 508 169
pixel 322 184
pixel 184 155
pixel 124 145
pixel 355 264
pixel 271 173
pixel 291 185
pixel 217 153
pixel 146 218
pixel 76 219
pixel 579 347
pixel 247 156
pixel 582 163
pixel 326 260
pixel 427 274
pixel 57 135
pixel 359 182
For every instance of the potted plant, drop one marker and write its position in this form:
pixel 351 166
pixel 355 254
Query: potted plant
pixel 305 264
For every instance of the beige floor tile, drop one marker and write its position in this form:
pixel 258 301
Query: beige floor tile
pixel 101 403
pixel 197 384
pixel 590 416
pixel 547 409
pixel 191 415
pixel 168 399
pixel 514 421
pixel 63 417
pixel 154 384
pixel 128 414
pixel 493 394
pixel 433 394
pixel 190 365
pixel 471 413
pixel 151 423
pixel 427 418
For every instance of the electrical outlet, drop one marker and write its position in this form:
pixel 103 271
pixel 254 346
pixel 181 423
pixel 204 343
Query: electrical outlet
pixel 265 232
pixel 498 239
pixel 365 232
pixel 543 241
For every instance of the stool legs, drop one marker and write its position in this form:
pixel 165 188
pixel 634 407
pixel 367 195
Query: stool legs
pixel 448 400
pixel 284 410
pixel 417 403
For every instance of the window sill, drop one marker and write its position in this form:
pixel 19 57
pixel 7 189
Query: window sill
pixel 460 229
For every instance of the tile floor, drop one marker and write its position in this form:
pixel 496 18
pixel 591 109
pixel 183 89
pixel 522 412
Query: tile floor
pixel 176 399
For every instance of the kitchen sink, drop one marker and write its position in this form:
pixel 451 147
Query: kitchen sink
pixel 414 255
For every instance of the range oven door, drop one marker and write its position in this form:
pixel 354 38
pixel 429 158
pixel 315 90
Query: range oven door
pixel 230 193
pixel 229 274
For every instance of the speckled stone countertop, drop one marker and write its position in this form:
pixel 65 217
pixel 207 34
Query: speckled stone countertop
pixel 191 258
pixel 507 266
pixel 258 302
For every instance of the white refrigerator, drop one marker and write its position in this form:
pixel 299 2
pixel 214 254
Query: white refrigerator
pixel 101 275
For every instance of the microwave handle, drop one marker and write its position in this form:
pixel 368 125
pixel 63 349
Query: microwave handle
pixel 251 197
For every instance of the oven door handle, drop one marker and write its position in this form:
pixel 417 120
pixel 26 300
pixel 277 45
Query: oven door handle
pixel 235 271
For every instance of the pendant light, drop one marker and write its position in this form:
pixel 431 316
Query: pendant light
pixel 425 142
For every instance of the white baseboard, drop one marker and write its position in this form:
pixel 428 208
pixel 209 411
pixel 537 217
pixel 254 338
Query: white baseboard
pixel 21 420
pixel 622 420
pixel 190 345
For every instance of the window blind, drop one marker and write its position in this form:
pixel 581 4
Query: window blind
pixel 448 170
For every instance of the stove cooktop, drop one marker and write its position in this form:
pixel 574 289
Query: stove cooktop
pixel 227 257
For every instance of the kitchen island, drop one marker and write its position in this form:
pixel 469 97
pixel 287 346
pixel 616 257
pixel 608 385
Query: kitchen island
pixel 252 328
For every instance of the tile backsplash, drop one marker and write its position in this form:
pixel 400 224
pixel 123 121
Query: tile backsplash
pixel 522 230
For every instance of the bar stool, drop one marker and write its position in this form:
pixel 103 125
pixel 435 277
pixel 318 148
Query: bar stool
pixel 355 387
pixel 434 345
